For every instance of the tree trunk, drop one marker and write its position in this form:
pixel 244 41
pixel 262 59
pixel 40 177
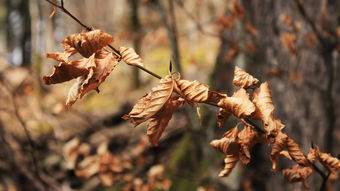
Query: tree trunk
pixel 136 37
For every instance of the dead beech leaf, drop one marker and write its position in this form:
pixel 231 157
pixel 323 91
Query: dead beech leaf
pixel 312 155
pixel 328 160
pixel 72 150
pixel 247 138
pixel 215 96
pixel 289 42
pixel 149 105
pixel 298 174
pixel 239 104
pixel 105 62
pixel 251 29
pixel 295 152
pixel 263 103
pixel 237 10
pixel 232 133
pixel 52 13
pixel 227 144
pixel 230 162
pixel 104 165
pixel 278 145
pixel 62 56
pixel 89 42
pixel 243 79
pixel 159 122
pixel 222 116
pixel 68 71
pixel 130 56
pixel 231 55
pixel 193 91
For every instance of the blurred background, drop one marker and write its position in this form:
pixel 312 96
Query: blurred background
pixel 294 45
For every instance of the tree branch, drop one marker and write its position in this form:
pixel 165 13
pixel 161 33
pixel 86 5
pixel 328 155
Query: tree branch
pixel 309 21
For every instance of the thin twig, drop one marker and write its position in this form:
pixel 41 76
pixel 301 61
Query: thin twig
pixel 62 8
pixel 12 94
pixel 324 182
pixel 311 23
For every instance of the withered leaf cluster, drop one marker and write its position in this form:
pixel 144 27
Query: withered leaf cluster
pixel 161 102
pixel 258 105
pixel 91 70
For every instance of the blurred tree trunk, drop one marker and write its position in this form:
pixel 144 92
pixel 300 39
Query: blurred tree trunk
pixel 223 70
pixel 170 25
pixel 136 37
pixel 18 25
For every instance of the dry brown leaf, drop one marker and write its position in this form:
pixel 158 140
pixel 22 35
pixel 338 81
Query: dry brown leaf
pixel 231 55
pixel 230 162
pixel 130 56
pixel 329 161
pixel 159 122
pixel 247 138
pixel 279 144
pixel 105 63
pixel 295 152
pixel 215 96
pixel 239 104
pixel 227 22
pixel 286 154
pixel 66 71
pixel 237 10
pixel 72 150
pixel 52 13
pixel 62 56
pixel 227 144
pixel 88 43
pixel 289 42
pixel 149 105
pixel 251 29
pixel 298 174
pixel 104 164
pixel 243 79
pixel 312 155
pixel 222 116
pixel 263 102
pixel 193 91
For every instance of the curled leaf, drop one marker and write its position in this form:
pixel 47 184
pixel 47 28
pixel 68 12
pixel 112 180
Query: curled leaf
pixel 130 56
pixel 105 62
pixel 278 146
pixel 228 143
pixel 89 42
pixel 329 161
pixel 72 150
pixel 159 122
pixel 104 165
pixel 149 105
pixel 68 71
pixel 62 57
pixel 193 91
pixel 298 174
pixel 247 138
pixel 295 152
pixel 230 162
pixel 288 40
pixel 239 104
pixel 222 116
pixel 312 155
pixel 263 102
pixel 243 79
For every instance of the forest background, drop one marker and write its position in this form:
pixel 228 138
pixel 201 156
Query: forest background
pixel 294 45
